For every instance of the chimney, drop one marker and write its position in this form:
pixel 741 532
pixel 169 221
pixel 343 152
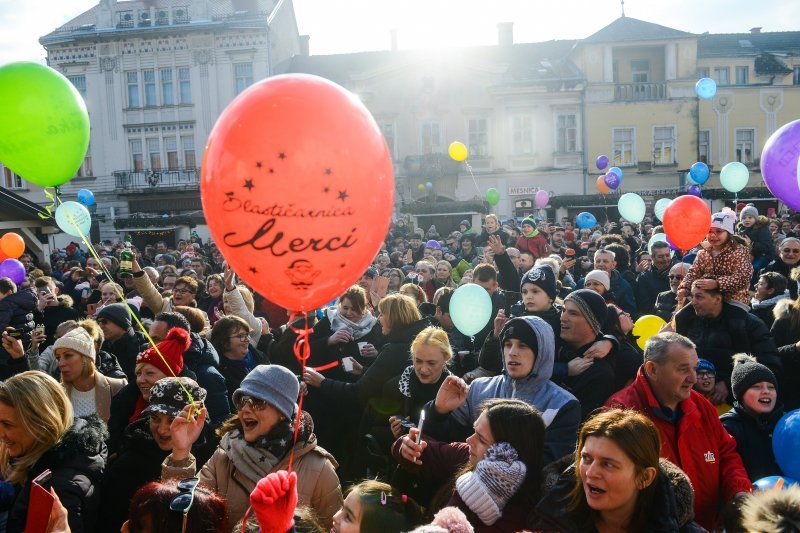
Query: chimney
pixel 756 30
pixel 505 33
pixel 304 45
pixel 393 39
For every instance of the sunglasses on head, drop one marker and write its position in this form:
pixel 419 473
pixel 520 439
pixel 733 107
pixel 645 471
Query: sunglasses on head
pixel 182 503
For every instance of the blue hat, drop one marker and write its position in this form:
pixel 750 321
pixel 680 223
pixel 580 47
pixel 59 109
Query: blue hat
pixel 705 364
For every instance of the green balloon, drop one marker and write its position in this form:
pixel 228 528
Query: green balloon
pixel 492 196
pixel 44 125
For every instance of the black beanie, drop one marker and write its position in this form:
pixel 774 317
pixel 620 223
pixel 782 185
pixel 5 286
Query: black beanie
pixel 543 277
pixel 116 313
pixel 592 306
pixel 746 373
pixel 519 328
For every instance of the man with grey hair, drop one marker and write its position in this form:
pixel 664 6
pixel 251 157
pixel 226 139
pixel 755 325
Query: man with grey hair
pixel 692 436
pixel 788 258
pixel 621 290
pixel 667 302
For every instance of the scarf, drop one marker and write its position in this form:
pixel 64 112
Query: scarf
pixel 357 329
pixel 769 302
pixel 532 234
pixel 256 460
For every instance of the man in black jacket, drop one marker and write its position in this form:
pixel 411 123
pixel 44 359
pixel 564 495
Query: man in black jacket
pixel 655 279
pixel 120 338
pixel 667 301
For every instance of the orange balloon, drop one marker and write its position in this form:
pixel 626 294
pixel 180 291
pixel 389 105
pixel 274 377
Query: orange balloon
pixel 12 245
pixel 2 256
pixel 298 189
pixel 686 221
pixel 601 185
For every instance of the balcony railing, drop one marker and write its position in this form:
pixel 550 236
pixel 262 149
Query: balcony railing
pixel 157 179
pixel 634 92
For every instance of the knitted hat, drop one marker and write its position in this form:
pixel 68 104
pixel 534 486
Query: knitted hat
pixel 496 478
pixel 569 235
pixel 746 373
pixel 749 211
pixel 542 276
pixel 78 340
pixel 599 275
pixel 528 220
pixel 725 220
pixel 706 365
pixel 274 384
pixel 167 395
pixel 466 223
pixel 371 272
pixel 171 348
pixel 447 520
pixel 436 245
pixel 592 307
pixel 519 328
pixel 116 313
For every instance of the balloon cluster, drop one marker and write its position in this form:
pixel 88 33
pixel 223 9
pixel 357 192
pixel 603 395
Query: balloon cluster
pixel 12 246
pixel 611 180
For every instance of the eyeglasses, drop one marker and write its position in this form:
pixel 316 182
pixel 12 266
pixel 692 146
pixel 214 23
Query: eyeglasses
pixel 181 291
pixel 254 403
pixel 676 277
pixel 705 375
pixel 182 503
pixel 241 336
pixel 790 251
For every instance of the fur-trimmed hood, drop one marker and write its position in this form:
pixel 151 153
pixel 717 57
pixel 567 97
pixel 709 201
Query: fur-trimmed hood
pixel 87 436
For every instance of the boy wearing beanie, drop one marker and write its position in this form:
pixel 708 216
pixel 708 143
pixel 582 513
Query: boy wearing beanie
pixel 755 413
pixel 532 240
pixel 755 230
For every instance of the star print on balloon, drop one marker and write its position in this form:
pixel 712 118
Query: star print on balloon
pixel 311 235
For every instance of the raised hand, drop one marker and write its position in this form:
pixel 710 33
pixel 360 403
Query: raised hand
pixel 185 430
pixel 451 395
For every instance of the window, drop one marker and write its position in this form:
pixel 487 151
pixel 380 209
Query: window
pixel 702 72
pixel 133 89
pixel 742 75
pixel 79 82
pixel 136 155
pixel 566 133
pixel 722 76
pixel 796 76
pixel 745 141
pixel 430 137
pixel 522 135
pixel 623 147
pixel 478 138
pixel 11 180
pixel 640 71
pixel 86 168
pixel 154 153
pixel 149 77
pixel 664 145
pixel 243 75
pixel 185 82
pixel 387 128
pixel 187 144
pixel 167 90
pixel 704 144
pixel 171 147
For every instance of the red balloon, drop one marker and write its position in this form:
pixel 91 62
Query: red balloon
pixel 298 189
pixel 12 245
pixel 602 186
pixel 686 221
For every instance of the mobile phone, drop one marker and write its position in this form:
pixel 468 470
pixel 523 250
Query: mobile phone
pixel 45 290
pixel 39 329
pixel 569 252
pixel 421 423
pixel 15 333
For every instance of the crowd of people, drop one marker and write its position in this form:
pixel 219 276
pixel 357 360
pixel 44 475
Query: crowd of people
pixel 167 396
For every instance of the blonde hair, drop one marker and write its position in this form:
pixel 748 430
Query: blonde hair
pixel 94 331
pixel 398 310
pixel 44 412
pixel 247 296
pixel 434 337
pixel 419 294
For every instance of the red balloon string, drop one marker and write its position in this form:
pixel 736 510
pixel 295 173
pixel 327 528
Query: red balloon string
pixel 302 351
pixel 333 364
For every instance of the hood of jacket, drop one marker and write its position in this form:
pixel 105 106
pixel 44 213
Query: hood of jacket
pixel 407 332
pixel 201 351
pixel 82 447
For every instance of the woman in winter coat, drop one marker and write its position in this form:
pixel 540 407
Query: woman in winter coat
pixel 39 432
pixel 257 441
pixel 770 289
pixel 16 306
pixel 145 445
pixel 504 453
pixel 237 356
pixel 616 482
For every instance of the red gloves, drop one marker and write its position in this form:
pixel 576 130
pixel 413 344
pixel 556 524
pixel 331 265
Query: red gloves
pixel 274 500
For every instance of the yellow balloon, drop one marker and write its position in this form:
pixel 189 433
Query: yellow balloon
pixel 421 187
pixel 458 151
pixel 646 327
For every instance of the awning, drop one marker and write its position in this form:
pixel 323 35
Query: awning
pixel 152 228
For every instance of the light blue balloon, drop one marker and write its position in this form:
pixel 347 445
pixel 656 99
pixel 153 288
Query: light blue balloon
pixel 631 207
pixel 660 207
pixel 585 220
pixel 734 176
pixel 658 237
pixel 617 171
pixel 86 197
pixel 706 88
pixel 71 217
pixel 470 308
pixel 767 483
pixel 699 173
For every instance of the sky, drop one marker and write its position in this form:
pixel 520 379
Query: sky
pixel 343 26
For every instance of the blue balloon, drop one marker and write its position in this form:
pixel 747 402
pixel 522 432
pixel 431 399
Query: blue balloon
pixel 660 207
pixel 617 171
pixel 786 443
pixel 74 218
pixel 767 483
pixel 470 308
pixel 706 88
pixel 86 197
pixel 585 220
pixel 694 190
pixel 699 172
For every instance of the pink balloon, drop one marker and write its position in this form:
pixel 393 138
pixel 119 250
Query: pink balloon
pixel 542 199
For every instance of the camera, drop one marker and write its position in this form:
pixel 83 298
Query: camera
pixel 407 424
pixel 15 333
pixel 516 310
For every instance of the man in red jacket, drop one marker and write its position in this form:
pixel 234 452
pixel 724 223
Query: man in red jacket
pixel 692 436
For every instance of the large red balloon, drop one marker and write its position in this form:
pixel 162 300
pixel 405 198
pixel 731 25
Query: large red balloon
pixel 686 221
pixel 298 189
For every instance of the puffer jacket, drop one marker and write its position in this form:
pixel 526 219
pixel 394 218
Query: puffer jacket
pixel 16 310
pixel 762 244
pixel 753 434
pixel 731 268
pixel 202 359
pixel 77 462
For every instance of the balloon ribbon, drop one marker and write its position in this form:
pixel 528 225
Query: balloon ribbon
pixel 49 208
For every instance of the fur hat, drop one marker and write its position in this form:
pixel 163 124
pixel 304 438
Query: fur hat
pixel 274 384
pixel 591 305
pixel 724 220
pixel 78 340
pixel 172 347
pixel 496 478
pixel 746 373
pixel 772 510
pixel 599 275
pixel 749 211
pixel 543 277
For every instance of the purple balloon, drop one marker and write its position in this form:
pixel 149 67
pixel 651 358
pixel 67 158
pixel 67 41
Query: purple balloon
pixel 13 270
pixel 694 190
pixel 672 246
pixel 612 180
pixel 779 164
pixel 602 162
